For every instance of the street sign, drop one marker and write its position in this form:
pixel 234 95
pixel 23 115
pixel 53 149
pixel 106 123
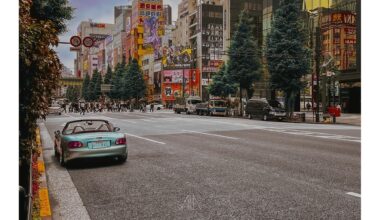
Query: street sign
pixel 88 42
pixel 105 87
pixel 74 48
pixel 75 41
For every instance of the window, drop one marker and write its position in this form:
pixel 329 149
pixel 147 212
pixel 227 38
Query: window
pixel 142 13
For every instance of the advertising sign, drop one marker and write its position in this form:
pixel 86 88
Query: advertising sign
pixel 173 85
pixel 350 41
pixel 339 18
pixel 152 39
pixel 176 57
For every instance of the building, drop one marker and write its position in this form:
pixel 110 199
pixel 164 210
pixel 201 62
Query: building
pixel 167 15
pixel 339 40
pixel 147 28
pixel 206 41
pixel 67 79
pixel 122 19
pixel 181 32
pixel 98 31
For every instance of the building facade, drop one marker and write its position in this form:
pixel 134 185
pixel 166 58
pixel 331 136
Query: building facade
pixel 98 31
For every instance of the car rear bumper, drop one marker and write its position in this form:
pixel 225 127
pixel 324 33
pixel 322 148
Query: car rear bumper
pixel 72 154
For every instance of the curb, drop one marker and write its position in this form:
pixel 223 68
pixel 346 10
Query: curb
pixel 43 193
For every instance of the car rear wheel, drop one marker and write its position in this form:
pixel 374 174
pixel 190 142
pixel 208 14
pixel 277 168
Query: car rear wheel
pixel 123 159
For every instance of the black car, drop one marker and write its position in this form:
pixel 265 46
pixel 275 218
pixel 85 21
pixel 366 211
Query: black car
pixel 265 110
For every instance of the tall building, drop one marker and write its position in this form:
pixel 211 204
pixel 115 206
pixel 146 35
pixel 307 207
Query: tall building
pixel 147 27
pixel 84 58
pixel 181 32
pixel 122 16
pixel 167 14
pixel 206 40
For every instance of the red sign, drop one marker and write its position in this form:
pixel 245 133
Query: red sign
pixel 75 41
pixel 88 42
pixel 339 18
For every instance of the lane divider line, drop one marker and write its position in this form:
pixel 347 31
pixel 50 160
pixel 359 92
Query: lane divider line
pixel 215 135
pixel 354 194
pixel 147 139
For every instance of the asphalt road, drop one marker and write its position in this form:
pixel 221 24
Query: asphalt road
pixel 200 167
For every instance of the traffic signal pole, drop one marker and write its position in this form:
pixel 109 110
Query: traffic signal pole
pixel 317 67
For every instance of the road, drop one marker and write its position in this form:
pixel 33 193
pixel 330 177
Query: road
pixel 200 167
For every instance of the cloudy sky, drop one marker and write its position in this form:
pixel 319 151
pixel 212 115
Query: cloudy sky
pixel 98 11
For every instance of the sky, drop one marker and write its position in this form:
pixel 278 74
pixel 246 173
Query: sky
pixel 98 11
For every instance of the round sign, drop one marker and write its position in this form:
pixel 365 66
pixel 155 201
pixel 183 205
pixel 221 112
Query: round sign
pixel 75 41
pixel 88 42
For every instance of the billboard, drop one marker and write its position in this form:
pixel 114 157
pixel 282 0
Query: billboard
pixel 152 40
pixel 173 84
pixel 176 57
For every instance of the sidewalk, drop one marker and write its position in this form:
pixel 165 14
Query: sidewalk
pixel 345 118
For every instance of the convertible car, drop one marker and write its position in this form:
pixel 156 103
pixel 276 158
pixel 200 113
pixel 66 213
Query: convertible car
pixel 89 139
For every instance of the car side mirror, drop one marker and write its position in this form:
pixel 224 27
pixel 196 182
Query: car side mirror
pixel 116 129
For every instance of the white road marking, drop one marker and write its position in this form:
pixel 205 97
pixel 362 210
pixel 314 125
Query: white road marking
pixel 216 135
pixel 147 139
pixel 147 120
pixel 316 134
pixel 354 194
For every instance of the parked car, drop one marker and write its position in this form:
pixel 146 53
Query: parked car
pixel 157 106
pixel 265 110
pixel 55 109
pixel 89 139
pixel 212 107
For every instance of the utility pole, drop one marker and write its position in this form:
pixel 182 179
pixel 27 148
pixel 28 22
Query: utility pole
pixel 317 67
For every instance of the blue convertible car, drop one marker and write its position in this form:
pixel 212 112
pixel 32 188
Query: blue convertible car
pixel 88 139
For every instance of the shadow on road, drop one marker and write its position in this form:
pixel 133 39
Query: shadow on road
pixel 93 163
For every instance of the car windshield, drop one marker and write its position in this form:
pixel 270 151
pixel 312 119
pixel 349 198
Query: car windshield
pixel 194 102
pixel 275 104
pixel 77 127
pixel 219 103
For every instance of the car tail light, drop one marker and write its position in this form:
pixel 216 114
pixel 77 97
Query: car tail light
pixel 121 141
pixel 75 144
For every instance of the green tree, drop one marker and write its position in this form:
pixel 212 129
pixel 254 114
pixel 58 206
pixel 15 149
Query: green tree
pixel 117 83
pixel 39 72
pixel 86 88
pixel 220 85
pixel 108 76
pixel 56 11
pixel 287 52
pixel 73 93
pixel 244 66
pixel 95 86
pixel 135 81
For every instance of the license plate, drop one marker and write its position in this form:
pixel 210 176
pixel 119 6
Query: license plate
pixel 99 144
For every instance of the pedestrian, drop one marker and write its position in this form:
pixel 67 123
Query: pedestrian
pixel 82 108
pixel 151 107
pixel 308 106
pixel 64 107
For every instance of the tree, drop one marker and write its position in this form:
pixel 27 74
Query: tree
pixel 56 11
pixel 108 76
pixel 135 81
pixel 73 93
pixel 117 82
pixel 39 72
pixel 220 85
pixel 244 66
pixel 86 88
pixel 94 90
pixel 287 52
